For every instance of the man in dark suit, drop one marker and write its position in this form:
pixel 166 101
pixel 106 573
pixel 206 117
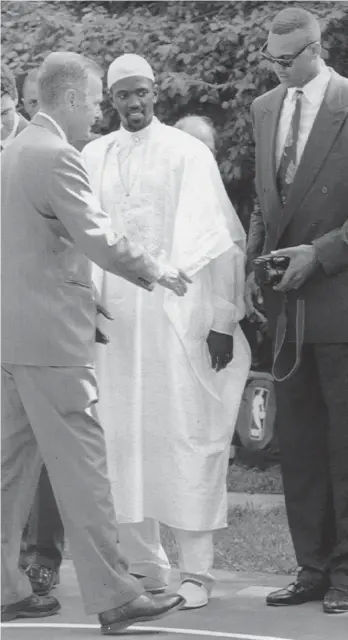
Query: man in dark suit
pixel 301 136
pixel 54 227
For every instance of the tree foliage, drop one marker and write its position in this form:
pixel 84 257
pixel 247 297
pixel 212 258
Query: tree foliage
pixel 205 55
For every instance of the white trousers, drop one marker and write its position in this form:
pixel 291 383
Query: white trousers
pixel 141 544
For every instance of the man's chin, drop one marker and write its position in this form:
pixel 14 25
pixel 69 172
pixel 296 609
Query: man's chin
pixel 136 122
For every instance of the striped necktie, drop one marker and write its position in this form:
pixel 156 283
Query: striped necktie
pixel 288 161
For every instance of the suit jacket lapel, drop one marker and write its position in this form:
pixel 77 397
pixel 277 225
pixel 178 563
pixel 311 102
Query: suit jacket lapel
pixel 326 127
pixel 268 132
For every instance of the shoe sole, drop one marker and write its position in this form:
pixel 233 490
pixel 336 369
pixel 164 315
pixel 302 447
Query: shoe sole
pixel 334 610
pixel 187 607
pixel 294 604
pixel 13 615
pixel 109 630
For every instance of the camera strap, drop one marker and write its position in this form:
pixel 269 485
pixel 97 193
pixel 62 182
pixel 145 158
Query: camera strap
pixel 280 335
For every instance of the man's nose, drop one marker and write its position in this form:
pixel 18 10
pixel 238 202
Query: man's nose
pixel 133 102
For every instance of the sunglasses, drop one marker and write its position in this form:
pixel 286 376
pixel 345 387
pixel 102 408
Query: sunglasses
pixel 283 61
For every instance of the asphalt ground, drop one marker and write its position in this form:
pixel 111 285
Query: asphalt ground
pixel 237 611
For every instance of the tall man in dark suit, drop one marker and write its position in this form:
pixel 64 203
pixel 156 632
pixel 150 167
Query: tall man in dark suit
pixel 301 135
pixel 53 227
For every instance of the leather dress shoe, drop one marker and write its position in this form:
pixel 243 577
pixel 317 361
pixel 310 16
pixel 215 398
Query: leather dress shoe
pixel 297 592
pixel 31 607
pixel 151 585
pixel 42 579
pixel 143 609
pixel 336 600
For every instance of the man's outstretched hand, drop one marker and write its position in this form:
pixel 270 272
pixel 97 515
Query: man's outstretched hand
pixel 174 279
pixel 220 347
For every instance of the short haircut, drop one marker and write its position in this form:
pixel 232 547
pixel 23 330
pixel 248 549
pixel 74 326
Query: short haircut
pixel 293 18
pixel 62 71
pixel 8 83
pixel 186 121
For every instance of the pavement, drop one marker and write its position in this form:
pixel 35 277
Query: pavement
pixel 236 611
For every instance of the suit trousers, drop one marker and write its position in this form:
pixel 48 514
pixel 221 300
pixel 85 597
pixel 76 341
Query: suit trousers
pixel 312 420
pixel 43 536
pixel 49 415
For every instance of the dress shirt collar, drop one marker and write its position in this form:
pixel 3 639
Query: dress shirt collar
pixel 135 137
pixel 314 89
pixel 55 124
pixel 12 135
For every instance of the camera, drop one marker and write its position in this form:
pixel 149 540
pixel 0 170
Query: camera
pixel 269 270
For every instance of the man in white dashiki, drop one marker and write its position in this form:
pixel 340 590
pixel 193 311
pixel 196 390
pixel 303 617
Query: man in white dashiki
pixel 172 377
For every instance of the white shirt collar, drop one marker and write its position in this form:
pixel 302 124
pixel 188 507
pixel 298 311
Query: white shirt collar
pixel 314 89
pixel 137 136
pixel 12 135
pixel 56 125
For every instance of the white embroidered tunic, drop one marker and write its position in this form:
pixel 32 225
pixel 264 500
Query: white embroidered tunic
pixel 168 417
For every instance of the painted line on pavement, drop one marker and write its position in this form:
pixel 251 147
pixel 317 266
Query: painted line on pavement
pixel 188 632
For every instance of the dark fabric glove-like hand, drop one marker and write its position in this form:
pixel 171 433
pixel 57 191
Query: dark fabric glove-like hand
pixel 220 347
pixel 99 335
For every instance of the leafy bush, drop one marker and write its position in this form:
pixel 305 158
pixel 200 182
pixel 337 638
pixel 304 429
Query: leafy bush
pixel 205 55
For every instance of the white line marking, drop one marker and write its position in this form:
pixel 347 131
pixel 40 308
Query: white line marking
pixel 187 632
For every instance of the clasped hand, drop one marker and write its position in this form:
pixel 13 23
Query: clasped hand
pixel 220 347
pixel 174 279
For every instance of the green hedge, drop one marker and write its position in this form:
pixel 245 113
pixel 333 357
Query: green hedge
pixel 205 55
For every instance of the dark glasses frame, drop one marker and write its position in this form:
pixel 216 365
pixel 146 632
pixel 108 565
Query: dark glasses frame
pixel 283 61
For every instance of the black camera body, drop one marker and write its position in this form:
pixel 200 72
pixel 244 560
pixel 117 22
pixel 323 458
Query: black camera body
pixel 269 270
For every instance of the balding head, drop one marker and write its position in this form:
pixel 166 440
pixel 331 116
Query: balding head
pixel 199 127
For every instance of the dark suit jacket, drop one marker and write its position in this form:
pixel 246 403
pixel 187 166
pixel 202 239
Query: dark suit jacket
pixel 315 212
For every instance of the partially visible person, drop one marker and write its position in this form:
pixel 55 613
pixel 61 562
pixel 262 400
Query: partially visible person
pixel 12 122
pixel 301 136
pixel 30 97
pixel 200 127
pixel 172 377
pixel 53 227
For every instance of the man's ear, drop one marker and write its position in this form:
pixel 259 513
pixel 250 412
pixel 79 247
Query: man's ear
pixel 70 98
pixel 155 93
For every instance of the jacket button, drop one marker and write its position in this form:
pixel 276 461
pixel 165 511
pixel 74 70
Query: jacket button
pixel 324 189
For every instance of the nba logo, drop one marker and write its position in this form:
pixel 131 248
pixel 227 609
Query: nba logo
pixel 258 412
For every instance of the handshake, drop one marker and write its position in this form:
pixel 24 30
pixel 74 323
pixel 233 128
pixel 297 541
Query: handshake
pixel 170 278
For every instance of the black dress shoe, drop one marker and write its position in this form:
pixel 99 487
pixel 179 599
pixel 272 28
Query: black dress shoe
pixel 297 592
pixel 42 579
pixel 31 607
pixel 336 600
pixel 143 609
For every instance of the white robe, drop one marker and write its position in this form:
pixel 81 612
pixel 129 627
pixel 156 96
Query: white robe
pixel 168 417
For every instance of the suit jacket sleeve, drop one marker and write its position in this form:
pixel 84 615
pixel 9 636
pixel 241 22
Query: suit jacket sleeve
pixel 73 203
pixel 256 236
pixel 332 250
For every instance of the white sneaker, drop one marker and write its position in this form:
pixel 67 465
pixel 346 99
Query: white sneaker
pixel 195 594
